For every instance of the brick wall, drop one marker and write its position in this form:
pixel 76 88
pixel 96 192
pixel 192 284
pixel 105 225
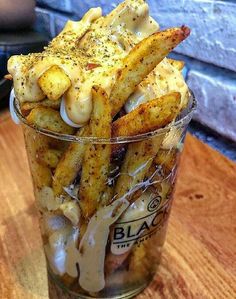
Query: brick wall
pixel 210 52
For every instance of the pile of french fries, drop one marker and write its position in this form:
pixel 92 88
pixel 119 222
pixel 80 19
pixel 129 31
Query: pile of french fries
pixel 74 180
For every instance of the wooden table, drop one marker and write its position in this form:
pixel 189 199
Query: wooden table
pixel 199 258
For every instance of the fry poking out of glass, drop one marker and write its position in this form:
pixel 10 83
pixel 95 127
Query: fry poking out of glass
pixel 104 115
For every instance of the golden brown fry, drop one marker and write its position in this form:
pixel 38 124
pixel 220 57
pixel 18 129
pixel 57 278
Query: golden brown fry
pixel 26 107
pixel 178 64
pixel 140 155
pixel 167 159
pixel 36 142
pixel 162 166
pixel 54 82
pixel 57 144
pixel 156 176
pixel 70 164
pixel 138 159
pixel 96 161
pixel 145 118
pixel 49 157
pixel 50 119
pixel 149 116
pixel 141 60
pixel 106 195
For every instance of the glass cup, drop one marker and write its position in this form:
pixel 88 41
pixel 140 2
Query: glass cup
pixel 110 247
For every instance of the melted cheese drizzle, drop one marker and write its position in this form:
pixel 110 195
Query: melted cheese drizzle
pixel 62 252
pixel 63 255
pixel 100 41
pixel 103 41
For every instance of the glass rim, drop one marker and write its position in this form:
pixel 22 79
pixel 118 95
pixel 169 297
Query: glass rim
pixel 113 140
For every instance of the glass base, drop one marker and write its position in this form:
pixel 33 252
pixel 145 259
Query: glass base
pixel 125 294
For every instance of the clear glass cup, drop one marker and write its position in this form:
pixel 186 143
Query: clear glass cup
pixel 115 251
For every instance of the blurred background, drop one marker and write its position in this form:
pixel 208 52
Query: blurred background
pixel 210 52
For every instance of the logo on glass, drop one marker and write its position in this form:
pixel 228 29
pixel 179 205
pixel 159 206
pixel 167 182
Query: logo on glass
pixel 154 204
pixel 139 229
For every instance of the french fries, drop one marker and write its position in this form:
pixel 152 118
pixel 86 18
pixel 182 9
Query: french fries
pixel 138 159
pixel 105 200
pixel 167 159
pixel 178 64
pixel 149 116
pixel 141 155
pixel 96 161
pixel 54 82
pixel 49 157
pixel 70 164
pixel 48 119
pixel 28 106
pixel 141 60
pixel 35 143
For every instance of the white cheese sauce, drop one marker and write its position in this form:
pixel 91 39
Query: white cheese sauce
pixel 64 257
pixel 95 40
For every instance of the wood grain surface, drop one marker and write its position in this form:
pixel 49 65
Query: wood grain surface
pixel 199 258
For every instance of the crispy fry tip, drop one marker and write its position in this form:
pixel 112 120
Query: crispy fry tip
pixel 185 30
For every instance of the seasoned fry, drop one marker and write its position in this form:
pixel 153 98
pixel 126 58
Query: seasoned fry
pixel 141 60
pixel 167 159
pixel 70 164
pixel 146 118
pixel 54 82
pixel 156 176
pixel 49 119
pixel 96 161
pixel 49 157
pixel 36 142
pixel 28 106
pixel 138 159
pixel 149 116
pixel 178 64
pixel 158 183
